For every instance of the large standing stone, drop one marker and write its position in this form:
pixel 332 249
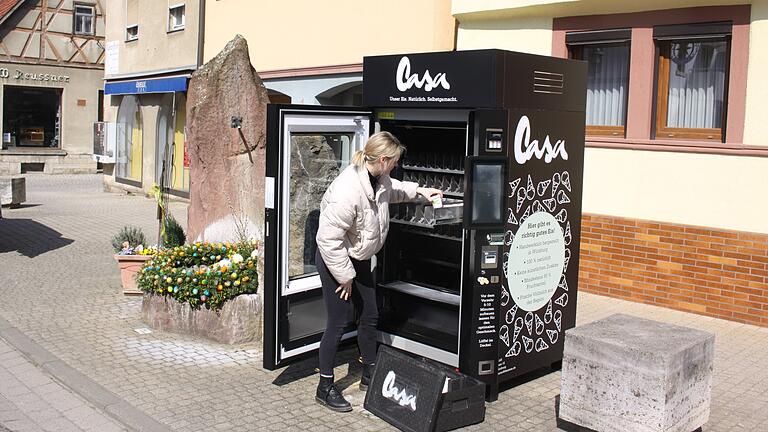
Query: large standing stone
pixel 227 164
pixel 227 187
pixel 236 322
pixel 625 373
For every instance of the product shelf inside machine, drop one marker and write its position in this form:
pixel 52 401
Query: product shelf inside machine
pixel 424 214
pixel 423 292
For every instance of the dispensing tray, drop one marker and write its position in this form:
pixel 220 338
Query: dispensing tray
pixel 423 214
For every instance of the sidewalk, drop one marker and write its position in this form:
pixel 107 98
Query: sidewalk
pixel 59 286
pixel 30 400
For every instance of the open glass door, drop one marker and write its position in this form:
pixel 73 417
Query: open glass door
pixel 307 147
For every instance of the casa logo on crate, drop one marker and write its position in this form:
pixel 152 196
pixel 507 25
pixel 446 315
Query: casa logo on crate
pixel 399 391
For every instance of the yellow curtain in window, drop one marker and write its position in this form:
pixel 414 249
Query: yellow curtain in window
pixel 136 148
pixel 180 180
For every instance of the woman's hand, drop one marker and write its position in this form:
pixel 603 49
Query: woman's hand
pixel 346 290
pixel 428 193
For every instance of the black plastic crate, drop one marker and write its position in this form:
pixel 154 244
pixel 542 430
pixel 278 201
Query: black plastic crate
pixel 408 392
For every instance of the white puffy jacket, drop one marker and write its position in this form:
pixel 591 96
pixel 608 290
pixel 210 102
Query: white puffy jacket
pixel 354 221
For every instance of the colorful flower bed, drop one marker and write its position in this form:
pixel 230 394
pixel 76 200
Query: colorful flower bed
pixel 202 274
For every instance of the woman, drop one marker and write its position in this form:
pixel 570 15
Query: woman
pixel 354 221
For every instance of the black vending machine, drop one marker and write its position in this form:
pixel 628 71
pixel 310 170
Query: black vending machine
pixel 486 283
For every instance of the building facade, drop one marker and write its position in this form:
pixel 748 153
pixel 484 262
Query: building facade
pixel 307 54
pixel 677 156
pixel 51 66
pixel 152 48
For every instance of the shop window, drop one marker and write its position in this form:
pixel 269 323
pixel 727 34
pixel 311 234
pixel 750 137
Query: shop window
pixel 172 168
pixel 607 55
pixel 32 116
pixel 129 141
pixel 176 17
pixel 84 20
pixel 692 78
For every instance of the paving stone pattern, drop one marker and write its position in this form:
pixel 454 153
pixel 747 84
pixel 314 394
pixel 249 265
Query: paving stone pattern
pixel 31 400
pixel 60 287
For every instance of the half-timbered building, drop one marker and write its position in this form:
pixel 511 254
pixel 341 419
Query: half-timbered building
pixel 51 71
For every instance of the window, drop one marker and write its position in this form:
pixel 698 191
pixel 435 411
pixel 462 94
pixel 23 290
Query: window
pixel 131 20
pixel 176 17
pixel 132 32
pixel 172 166
pixel 607 55
pixel 84 20
pixel 129 141
pixel 691 81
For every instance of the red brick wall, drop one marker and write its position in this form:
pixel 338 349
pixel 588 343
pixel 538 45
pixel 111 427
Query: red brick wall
pixel 713 272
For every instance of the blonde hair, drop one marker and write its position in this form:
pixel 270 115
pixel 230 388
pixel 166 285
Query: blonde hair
pixel 379 144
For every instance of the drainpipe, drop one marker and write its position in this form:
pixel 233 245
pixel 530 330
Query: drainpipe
pixel 200 32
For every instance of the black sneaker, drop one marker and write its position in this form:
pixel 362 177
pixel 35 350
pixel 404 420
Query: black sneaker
pixel 328 395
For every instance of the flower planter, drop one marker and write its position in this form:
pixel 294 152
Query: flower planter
pixel 238 321
pixel 129 267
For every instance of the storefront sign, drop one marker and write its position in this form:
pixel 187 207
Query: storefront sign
pixel 32 76
pixel 153 85
pixel 445 79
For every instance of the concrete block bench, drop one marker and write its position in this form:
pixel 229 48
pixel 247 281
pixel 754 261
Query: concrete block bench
pixel 13 191
pixel 624 373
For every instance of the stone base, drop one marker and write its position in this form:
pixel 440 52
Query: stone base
pixel 573 427
pixel 238 321
pixel 624 373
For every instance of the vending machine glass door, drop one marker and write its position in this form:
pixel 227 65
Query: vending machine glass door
pixel 307 148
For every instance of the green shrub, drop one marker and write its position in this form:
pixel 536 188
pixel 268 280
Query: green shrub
pixel 134 236
pixel 201 274
pixel 173 234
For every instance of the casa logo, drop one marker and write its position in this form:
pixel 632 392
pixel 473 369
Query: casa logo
pixel 525 149
pixel 399 391
pixel 405 80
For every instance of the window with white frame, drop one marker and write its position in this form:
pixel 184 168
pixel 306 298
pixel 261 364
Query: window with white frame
pixel 132 32
pixel 176 17
pixel 84 19
pixel 131 20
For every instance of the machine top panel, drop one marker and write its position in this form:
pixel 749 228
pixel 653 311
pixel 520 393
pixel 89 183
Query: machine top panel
pixel 474 79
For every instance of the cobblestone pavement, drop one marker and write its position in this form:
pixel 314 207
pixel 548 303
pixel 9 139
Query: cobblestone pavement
pixel 59 285
pixel 30 400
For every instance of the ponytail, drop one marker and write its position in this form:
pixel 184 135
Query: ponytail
pixel 379 144
pixel 358 158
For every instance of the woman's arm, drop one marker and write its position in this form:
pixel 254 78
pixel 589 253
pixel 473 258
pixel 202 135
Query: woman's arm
pixel 335 220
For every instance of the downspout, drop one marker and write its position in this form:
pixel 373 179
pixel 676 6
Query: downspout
pixel 200 32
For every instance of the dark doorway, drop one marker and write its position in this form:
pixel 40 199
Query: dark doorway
pixel 32 116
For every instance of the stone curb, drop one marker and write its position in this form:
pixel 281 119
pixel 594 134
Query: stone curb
pixel 103 399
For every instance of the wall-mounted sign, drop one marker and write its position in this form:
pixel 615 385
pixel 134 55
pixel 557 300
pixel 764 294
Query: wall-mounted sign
pixel 32 76
pixel 112 58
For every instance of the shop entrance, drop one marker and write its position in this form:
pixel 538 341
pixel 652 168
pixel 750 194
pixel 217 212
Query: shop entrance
pixel 32 116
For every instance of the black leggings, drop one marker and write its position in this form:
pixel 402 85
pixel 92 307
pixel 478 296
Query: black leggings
pixel 340 311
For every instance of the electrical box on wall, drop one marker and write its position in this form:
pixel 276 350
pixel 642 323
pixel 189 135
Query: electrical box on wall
pixel 104 142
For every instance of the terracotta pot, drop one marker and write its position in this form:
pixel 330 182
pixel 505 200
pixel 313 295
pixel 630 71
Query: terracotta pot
pixel 129 267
